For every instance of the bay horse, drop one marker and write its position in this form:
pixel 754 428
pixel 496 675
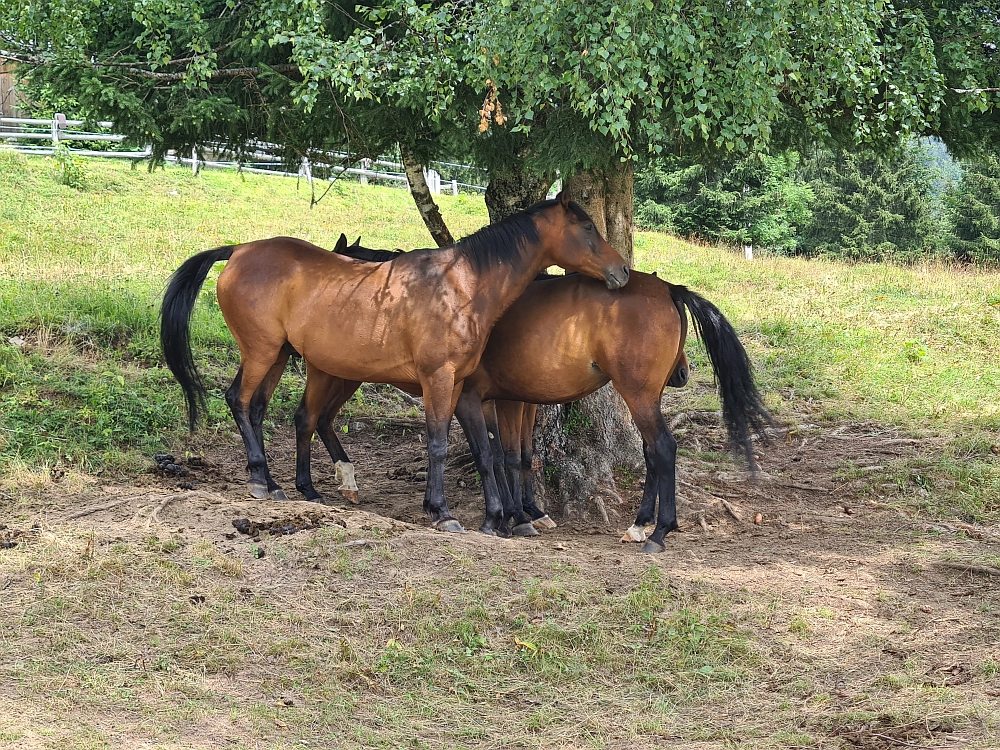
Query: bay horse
pixel 564 338
pixel 423 318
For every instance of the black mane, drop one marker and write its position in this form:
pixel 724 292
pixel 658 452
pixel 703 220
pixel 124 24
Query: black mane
pixel 493 245
pixel 496 244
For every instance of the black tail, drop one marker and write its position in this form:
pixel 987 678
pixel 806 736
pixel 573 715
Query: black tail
pixel 175 324
pixel 742 407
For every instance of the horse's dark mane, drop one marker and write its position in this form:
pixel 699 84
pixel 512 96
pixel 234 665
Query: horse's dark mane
pixel 504 242
pixel 491 246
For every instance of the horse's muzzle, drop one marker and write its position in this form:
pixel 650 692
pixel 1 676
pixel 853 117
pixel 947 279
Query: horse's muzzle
pixel 617 278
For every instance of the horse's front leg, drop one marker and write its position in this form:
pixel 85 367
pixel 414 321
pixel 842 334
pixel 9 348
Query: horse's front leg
pixel 470 415
pixel 441 394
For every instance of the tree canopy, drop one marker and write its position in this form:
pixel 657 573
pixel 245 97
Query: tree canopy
pixel 568 85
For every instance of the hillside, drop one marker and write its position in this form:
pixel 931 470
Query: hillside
pixel 845 598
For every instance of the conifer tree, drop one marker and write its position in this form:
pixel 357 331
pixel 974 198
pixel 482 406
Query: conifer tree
pixel 869 206
pixel 973 211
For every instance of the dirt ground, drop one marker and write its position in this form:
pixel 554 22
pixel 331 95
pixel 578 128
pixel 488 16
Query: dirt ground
pixel 892 616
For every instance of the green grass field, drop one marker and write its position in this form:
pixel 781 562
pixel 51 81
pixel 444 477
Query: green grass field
pixel 131 614
pixel 81 272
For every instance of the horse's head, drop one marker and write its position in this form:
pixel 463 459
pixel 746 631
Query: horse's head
pixel 575 244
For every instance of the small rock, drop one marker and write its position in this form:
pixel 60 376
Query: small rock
pixel 758 519
pixel 925 609
pixel 258 552
pixel 16 341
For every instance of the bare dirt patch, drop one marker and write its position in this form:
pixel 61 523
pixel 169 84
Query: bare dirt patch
pixel 810 607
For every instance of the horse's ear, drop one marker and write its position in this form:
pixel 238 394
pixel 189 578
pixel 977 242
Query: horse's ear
pixel 654 275
pixel 357 242
pixel 563 198
pixel 341 245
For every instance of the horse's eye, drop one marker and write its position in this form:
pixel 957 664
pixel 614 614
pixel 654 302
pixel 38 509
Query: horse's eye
pixel 588 227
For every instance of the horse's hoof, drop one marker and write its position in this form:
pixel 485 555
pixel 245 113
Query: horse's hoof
pixel 635 533
pixel 278 495
pixel 350 496
pixel 503 532
pixel 652 548
pixel 257 491
pixel 543 523
pixel 487 530
pixel 450 525
pixel 524 529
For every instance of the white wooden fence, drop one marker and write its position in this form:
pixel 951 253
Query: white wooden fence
pixel 44 136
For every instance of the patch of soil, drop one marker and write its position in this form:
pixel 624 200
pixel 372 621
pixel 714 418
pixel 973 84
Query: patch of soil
pixel 850 595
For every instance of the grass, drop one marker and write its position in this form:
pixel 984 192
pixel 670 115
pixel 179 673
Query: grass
pixel 134 633
pixel 160 631
pixel 81 271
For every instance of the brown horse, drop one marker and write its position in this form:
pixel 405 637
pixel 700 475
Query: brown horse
pixel 564 338
pixel 423 318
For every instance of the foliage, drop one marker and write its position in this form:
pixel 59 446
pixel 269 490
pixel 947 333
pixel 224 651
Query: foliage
pixel 580 83
pixel 69 169
pixel 974 212
pixel 758 200
pixel 870 206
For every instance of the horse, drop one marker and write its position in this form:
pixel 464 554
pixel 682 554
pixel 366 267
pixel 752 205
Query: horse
pixel 564 338
pixel 423 318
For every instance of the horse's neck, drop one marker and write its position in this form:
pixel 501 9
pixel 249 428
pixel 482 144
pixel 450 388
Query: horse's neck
pixel 498 288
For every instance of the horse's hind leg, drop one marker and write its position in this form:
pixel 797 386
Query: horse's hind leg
pixel 661 455
pixel 248 397
pixel 647 509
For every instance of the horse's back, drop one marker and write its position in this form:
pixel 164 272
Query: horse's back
pixel 581 334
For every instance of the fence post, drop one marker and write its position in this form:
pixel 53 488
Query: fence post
pixel 366 164
pixel 454 187
pixel 433 180
pixel 194 161
pixel 306 170
pixel 58 123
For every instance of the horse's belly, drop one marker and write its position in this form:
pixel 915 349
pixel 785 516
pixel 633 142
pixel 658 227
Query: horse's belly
pixel 368 364
pixel 554 381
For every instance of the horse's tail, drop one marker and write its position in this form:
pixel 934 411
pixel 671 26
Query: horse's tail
pixel 175 324
pixel 742 407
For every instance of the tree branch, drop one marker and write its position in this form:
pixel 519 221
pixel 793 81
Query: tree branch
pixel 154 75
pixel 993 90
pixel 428 209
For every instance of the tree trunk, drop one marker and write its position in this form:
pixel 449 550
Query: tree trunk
pixel 423 199
pixel 510 192
pixel 581 445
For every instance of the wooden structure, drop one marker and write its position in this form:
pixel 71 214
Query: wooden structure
pixel 8 91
